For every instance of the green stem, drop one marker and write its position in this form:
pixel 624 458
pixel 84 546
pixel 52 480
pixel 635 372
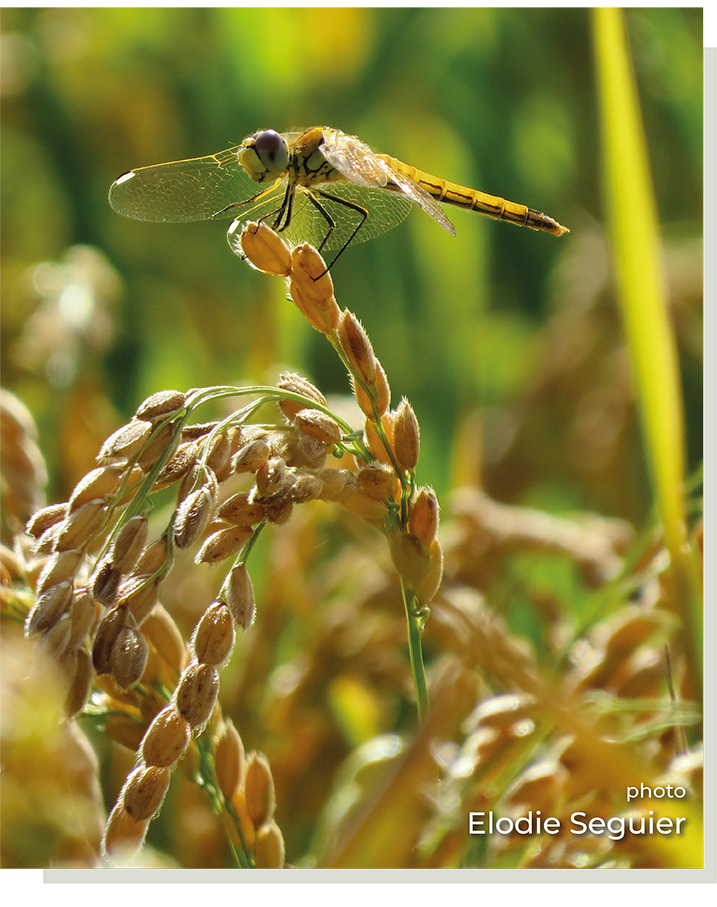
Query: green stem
pixel 208 776
pixel 415 651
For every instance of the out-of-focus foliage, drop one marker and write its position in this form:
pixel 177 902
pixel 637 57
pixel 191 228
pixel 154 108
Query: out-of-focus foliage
pixel 503 100
pixel 507 342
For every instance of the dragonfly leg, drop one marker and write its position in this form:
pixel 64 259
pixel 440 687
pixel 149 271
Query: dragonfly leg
pixel 340 201
pixel 285 211
pixel 247 201
pixel 281 215
pixel 331 223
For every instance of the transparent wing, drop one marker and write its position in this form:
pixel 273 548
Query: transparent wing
pixel 385 210
pixel 195 189
pixel 354 159
pixel 358 163
pixel 419 195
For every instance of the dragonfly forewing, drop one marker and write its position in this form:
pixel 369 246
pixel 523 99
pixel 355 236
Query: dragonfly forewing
pixel 181 191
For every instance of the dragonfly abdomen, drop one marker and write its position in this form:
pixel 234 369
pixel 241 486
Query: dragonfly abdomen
pixel 473 200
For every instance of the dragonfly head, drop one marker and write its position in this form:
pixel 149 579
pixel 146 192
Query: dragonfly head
pixel 264 155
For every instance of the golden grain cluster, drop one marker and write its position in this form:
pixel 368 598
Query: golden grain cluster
pixel 90 577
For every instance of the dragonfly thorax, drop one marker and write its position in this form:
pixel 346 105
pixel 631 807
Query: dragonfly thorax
pixel 308 164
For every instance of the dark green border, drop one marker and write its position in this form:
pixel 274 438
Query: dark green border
pixel 524 876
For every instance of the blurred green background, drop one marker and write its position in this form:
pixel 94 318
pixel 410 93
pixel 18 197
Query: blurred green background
pixel 506 341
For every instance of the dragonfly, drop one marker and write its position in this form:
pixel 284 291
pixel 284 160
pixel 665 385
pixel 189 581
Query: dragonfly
pixel 320 186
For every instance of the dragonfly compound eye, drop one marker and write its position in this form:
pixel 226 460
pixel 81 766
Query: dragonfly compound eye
pixel 264 155
pixel 272 151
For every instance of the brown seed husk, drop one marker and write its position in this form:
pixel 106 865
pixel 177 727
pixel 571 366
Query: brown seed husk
pixel 240 510
pixel 145 790
pixel 431 582
pixel 123 836
pixel 128 658
pixel 279 510
pixel 213 639
pixel 239 596
pixel 197 693
pixel 269 848
pixel 318 425
pixel 307 451
pixel 290 381
pixel 108 629
pixel 237 438
pixel 374 441
pixel 265 249
pixel 153 558
pixel 219 459
pixel 192 481
pixel 380 390
pixel 378 480
pixel 80 685
pixel 163 403
pixel 406 436
pixel 80 526
pixel 106 583
pixel 60 568
pixel 223 544
pixel 162 633
pixel 323 317
pixel 178 465
pixel 166 739
pixel 383 400
pixel 193 514
pixel 161 439
pixel 335 482
pixel 198 430
pixel 250 457
pixel 45 545
pixel 129 543
pixel 248 832
pixel 130 485
pixel 356 501
pixel 229 760
pixel 124 730
pixel 99 483
pixel 44 519
pixel 83 615
pixel 423 516
pixel 306 488
pixel 139 594
pixel 310 271
pixel 259 790
pixel 126 442
pixel 410 557
pixel 54 639
pixel 273 478
pixel 49 607
pixel 357 348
